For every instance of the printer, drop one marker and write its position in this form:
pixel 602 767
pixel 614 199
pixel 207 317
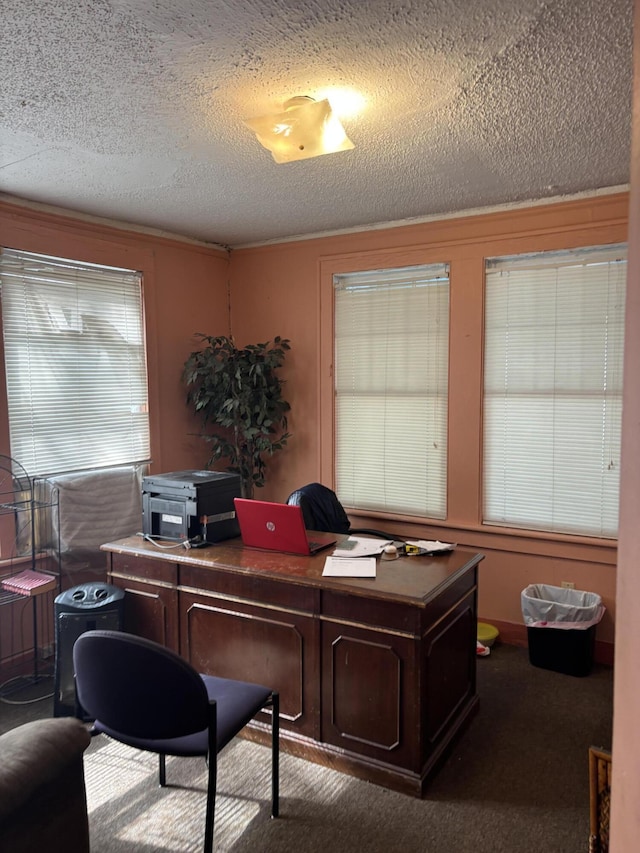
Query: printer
pixel 191 506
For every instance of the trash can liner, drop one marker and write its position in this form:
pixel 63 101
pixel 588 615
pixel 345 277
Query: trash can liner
pixel 545 606
pixel 574 626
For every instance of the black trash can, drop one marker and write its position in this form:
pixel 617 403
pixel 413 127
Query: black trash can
pixel 561 627
pixel 79 609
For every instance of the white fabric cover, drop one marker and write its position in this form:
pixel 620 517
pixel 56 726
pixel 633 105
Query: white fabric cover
pixel 98 506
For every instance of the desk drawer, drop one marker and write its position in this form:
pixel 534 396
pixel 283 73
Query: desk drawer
pixel 368 612
pixel 249 586
pixel 144 567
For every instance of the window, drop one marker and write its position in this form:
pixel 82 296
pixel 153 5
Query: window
pixel 391 385
pixel 554 329
pixel 75 363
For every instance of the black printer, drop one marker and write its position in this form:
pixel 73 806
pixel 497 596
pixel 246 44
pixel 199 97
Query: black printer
pixel 191 506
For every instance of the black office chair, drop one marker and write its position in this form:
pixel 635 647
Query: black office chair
pixel 144 695
pixel 322 510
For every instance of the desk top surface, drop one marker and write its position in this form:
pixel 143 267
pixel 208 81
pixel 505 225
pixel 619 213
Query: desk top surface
pixel 415 579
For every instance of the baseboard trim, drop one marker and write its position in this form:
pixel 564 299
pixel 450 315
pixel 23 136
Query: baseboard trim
pixel 515 634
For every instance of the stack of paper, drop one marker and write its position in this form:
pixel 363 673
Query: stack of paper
pixel 432 546
pixel 360 546
pixel 29 582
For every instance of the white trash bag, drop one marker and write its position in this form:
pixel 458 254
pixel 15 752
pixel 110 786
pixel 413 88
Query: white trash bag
pixel 545 606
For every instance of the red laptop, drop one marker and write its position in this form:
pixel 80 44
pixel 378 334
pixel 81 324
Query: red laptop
pixel 278 527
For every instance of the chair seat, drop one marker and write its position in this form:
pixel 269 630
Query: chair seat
pixel 235 700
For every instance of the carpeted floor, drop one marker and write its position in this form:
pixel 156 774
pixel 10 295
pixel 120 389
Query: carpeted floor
pixel 517 781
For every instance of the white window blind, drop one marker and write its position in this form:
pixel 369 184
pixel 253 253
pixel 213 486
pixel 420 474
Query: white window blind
pixel 391 386
pixel 75 363
pixel 554 333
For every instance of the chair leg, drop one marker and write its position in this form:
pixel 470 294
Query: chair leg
pixel 162 768
pixel 211 803
pixel 212 780
pixel 275 754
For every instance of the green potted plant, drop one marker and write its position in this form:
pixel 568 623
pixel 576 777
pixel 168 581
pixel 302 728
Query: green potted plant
pixel 238 395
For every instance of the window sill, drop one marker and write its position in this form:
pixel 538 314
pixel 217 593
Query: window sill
pixel 587 549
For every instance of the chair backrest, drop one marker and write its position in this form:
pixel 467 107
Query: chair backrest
pixel 137 687
pixel 321 508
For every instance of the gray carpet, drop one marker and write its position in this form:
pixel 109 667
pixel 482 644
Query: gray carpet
pixel 517 781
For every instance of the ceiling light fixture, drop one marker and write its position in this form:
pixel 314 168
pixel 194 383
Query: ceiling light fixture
pixel 305 128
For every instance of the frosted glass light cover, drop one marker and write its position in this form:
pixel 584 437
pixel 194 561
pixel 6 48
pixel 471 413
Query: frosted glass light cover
pixel 305 128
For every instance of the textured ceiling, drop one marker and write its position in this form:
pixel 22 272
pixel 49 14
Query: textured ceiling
pixel 132 109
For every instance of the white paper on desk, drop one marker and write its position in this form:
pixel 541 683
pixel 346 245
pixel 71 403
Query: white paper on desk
pixel 360 546
pixel 432 545
pixel 344 567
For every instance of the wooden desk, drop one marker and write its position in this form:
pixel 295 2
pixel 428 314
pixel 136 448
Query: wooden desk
pixel 376 677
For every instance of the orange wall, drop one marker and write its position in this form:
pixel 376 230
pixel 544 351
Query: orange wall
pixel 185 291
pixel 286 289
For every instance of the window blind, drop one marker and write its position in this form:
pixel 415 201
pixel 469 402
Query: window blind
pixel 391 386
pixel 554 334
pixel 75 363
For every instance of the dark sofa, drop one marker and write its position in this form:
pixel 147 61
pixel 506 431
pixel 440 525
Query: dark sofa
pixel 42 792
